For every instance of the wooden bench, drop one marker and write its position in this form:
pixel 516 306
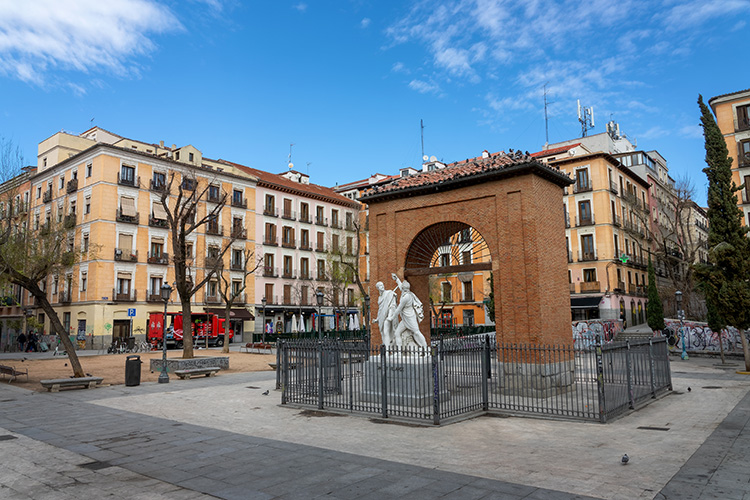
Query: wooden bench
pixel 54 385
pixel 267 346
pixel 13 372
pixel 209 371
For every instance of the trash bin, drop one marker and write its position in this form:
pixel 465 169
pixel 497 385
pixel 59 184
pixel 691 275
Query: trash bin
pixel 131 343
pixel 133 370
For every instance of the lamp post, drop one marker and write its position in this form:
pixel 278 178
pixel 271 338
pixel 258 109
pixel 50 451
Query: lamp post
pixel 263 333
pixel 367 321
pixel 681 317
pixel 166 292
pixel 319 298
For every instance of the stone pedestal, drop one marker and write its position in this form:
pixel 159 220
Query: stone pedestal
pixel 533 379
pixel 409 380
pixel 186 364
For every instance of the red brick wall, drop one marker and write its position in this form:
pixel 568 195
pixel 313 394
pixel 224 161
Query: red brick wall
pixel 521 219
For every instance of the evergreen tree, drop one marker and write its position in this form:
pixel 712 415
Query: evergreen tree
pixel 724 280
pixel 654 309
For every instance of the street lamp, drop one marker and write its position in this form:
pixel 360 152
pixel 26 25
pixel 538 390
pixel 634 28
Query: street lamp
pixel 681 317
pixel 166 292
pixel 263 333
pixel 319 298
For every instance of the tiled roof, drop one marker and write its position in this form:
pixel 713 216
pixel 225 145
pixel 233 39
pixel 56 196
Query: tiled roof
pixel 455 173
pixel 561 149
pixel 727 95
pixel 278 181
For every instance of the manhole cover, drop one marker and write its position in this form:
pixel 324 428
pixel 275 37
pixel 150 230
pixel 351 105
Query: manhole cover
pixel 711 387
pixel 96 465
pixel 647 428
pixel 7 437
pixel 252 387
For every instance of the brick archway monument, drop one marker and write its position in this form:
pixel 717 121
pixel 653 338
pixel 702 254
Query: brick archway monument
pixel 508 209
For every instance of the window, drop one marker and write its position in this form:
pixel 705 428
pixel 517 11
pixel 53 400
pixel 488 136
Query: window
pixel 617 247
pixel 349 297
pixel 190 157
pixel 743 117
pixel 303 295
pixel 334 218
pixel 319 215
pixel 350 245
pixel 84 281
pixel 269 293
pixel 468 317
pixel 270 233
pixel 468 291
pixel 305 239
pixel 85 242
pixel 584 213
pixel 188 250
pixel 288 209
pixel 270 208
pixel 155 285
pixel 211 289
pixel 236 288
pixel 188 184
pixel 236 258
pixel 589 275
pixel 321 269
pixel 335 243
pixel 349 224
pixel 287 294
pixel 587 247
pixel 127 175
pixel 304 268
pixel 66 321
pixel 87 205
pixel 582 180
pixel 321 247
pixel 288 266
pixel 287 236
pixel 159 180
pixel 36 222
pixel 123 285
pixel 62 181
pixel 176 155
pixel 268 262
pixel 156 248
pixel 304 212
pixel 466 257
pixel 38 192
pixel 445 259
pixel 237 197
pixel 445 291
pixel 744 152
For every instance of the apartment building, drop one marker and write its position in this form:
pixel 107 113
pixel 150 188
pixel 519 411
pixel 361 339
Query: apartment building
pixel 106 189
pixel 733 118
pixel 302 229
pixel 605 232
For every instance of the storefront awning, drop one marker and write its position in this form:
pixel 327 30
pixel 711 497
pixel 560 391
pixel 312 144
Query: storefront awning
pixel 585 302
pixel 242 314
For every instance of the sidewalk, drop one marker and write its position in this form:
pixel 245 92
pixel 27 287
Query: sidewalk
pixel 221 436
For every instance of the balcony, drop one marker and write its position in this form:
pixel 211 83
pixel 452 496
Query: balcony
pixel 305 245
pixel 570 256
pixel 72 186
pixel 304 275
pixel 270 211
pixel 572 287
pixel 70 221
pixel 271 240
pixel 212 299
pixel 129 181
pixel 154 296
pixel 236 265
pixel 214 229
pixel 213 197
pixel 350 226
pixel 289 243
pixel 590 286
pixel 289 215
pixel 159 258
pixel 272 300
pixel 47 196
pixel 745 198
pixel 613 187
pixel 743 122
pixel 629 197
pixel 582 188
pixel 154 222
pixel 239 233
pixel 239 202
pixel 157 186
pixel 239 299
pixel 126 255
pixel 632 289
pixel 213 262
pixel 64 297
pixel 289 274
pixel 128 219
pixel 587 256
pixel 321 221
pixel 305 218
pixel 567 221
pixel 270 272
pixel 321 247
pixel 704 227
pixel 585 221
pixel 131 296
pixel 336 224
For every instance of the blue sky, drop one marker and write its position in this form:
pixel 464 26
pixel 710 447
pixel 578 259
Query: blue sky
pixel 348 81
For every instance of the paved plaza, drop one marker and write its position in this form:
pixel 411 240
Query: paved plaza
pixel 222 437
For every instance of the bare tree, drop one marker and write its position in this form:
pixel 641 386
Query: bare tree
pixel 180 199
pixel 344 271
pixel 29 254
pixel 229 292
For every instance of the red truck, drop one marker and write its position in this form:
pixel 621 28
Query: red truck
pixel 205 325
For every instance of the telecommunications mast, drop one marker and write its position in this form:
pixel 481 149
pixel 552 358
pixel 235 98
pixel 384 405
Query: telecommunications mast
pixel 586 118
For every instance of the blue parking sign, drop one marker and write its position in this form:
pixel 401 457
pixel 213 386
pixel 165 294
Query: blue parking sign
pixel 131 312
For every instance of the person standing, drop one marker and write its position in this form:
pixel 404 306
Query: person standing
pixel 21 342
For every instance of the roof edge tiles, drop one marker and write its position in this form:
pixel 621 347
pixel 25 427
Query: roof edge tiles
pixel 460 174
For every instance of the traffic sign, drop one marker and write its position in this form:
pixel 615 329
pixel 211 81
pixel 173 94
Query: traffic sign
pixel 131 312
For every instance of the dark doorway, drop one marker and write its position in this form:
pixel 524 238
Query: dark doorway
pixel 121 329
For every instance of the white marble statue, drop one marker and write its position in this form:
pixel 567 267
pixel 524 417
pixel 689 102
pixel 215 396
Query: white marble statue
pixel 411 311
pixel 386 314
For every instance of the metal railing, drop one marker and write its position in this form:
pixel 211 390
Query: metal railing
pixel 472 375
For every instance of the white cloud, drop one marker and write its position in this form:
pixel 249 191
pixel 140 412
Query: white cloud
pixel 302 7
pixel 39 37
pixel 364 23
pixel 694 131
pixel 687 15
pixel 399 67
pixel 424 87
pixel 655 133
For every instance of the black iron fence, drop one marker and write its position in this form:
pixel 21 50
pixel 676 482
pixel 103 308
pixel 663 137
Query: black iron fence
pixel 465 377
pixel 360 334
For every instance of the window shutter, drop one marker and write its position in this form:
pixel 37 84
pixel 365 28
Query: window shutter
pixel 159 212
pixel 127 206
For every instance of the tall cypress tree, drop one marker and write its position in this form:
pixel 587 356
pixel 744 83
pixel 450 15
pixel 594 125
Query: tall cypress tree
pixel 654 309
pixel 725 279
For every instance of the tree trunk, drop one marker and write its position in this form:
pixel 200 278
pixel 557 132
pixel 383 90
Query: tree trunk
pixel 187 331
pixel 59 329
pixel 721 348
pixel 745 348
pixel 227 314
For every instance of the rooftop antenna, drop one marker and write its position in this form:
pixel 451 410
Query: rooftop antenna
pixel 421 130
pixel 290 164
pixel 586 118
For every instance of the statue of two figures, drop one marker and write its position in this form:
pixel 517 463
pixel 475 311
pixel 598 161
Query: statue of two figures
pixel 405 332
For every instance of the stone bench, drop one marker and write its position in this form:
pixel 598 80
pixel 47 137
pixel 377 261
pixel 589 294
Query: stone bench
pixel 54 385
pixel 13 372
pixel 209 371
pixel 266 346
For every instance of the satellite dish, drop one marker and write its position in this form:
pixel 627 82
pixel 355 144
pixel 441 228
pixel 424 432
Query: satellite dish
pixel 425 158
pixel 572 152
pixel 433 158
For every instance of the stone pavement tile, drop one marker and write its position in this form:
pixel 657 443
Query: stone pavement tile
pixel 240 493
pixel 170 475
pixel 406 485
pixel 465 493
pixel 678 489
pixel 358 489
pixel 731 479
pixel 722 493
pixel 442 487
pixel 202 484
pixel 502 487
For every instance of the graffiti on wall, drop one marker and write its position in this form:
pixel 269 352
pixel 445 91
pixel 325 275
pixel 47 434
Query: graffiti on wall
pixel 585 331
pixel 699 337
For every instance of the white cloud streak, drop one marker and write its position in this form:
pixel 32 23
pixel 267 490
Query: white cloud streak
pixel 39 37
